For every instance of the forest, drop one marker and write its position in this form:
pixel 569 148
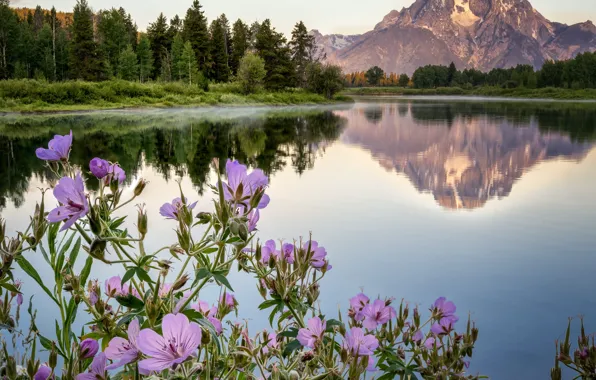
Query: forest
pixel 106 45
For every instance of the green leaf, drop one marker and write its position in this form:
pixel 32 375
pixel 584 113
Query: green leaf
pixel 223 280
pixel 52 234
pixel 28 268
pixel 130 301
pixel 276 310
pixel 209 326
pixel 267 304
pixel 201 274
pixel 332 323
pixel 60 258
pixel 128 275
pixel 291 333
pixel 75 252
pixel 117 223
pixel 10 287
pixel 126 319
pixel 45 254
pixel 86 270
pixel 209 250
pixel 291 347
pixel 143 275
pixel 192 314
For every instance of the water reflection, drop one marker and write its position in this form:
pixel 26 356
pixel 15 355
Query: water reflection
pixel 467 153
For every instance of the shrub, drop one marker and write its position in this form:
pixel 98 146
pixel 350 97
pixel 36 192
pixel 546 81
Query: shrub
pixel 251 73
pixel 325 79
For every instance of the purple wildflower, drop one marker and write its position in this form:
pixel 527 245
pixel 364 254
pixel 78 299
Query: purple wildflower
pixel 418 336
pixel 180 339
pixel 377 314
pixel 164 290
pixel 116 173
pixel 18 284
pixel 444 326
pixel 216 324
pixel 122 351
pixel 228 299
pixel 97 371
pixel 431 342
pixel 58 149
pixel 287 252
pixel 43 373
pixel 357 304
pixel 313 333
pixel 372 366
pixel 113 286
pixel 253 219
pixel 71 195
pixel 444 309
pixel 88 348
pixel 267 251
pixel 359 344
pixel 242 186
pixel 99 167
pixel 271 343
pixel 172 210
pixel 317 259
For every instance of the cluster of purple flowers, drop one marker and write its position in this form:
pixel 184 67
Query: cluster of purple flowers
pixel 58 149
pixel 241 186
pixel 102 169
pixel 371 315
pixel 316 255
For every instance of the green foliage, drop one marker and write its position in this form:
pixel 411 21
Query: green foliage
pixel 220 70
pixel 404 80
pixel 240 43
pixel 116 31
pixel 251 73
pixel 128 65
pixel 176 54
pixel 8 31
pixel 157 33
pixel 374 75
pixel 187 66
pixel 145 56
pixel 324 79
pixel 195 31
pixel 272 47
pixel 86 61
pixel 303 51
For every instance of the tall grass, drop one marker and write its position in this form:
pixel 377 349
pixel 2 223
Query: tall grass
pixel 33 95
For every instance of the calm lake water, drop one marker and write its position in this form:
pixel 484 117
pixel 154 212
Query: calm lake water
pixel 491 204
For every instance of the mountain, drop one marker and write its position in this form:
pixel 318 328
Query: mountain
pixel 464 159
pixel 328 44
pixel 482 34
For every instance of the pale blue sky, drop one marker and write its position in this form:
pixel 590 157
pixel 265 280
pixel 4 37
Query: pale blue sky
pixel 329 16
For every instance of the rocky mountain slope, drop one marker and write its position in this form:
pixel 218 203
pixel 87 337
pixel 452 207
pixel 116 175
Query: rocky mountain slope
pixel 483 34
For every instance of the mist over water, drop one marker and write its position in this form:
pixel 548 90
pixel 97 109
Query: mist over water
pixel 487 203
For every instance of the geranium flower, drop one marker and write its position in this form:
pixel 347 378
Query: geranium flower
pixel 359 344
pixel 444 309
pixel 43 373
pixel 97 370
pixel 358 303
pixel 88 348
pixel 71 195
pixel 247 183
pixel 377 314
pixel 116 173
pixel 58 149
pixel 172 210
pixel 180 339
pixel 113 286
pixel 319 254
pixel 444 326
pixel 99 167
pixel 267 251
pixel 313 333
pixel 253 219
pixel 121 351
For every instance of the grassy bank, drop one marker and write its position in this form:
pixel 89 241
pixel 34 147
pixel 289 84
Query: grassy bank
pixel 41 96
pixel 545 93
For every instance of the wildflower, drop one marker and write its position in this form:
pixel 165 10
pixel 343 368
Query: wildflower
pixel 58 149
pixel 287 251
pixel 164 290
pixel 18 284
pixel 444 309
pixel 71 195
pixel 242 186
pixel 372 366
pixel 317 259
pixel 229 300
pixel 444 326
pixel 253 218
pixel 377 314
pixel 217 326
pixel 181 338
pixel 417 337
pixel 430 343
pixel 309 336
pixel 113 286
pixel 43 373
pixel 99 167
pixel 202 307
pixel 357 304
pixel 359 344
pixel 116 173
pixel 267 251
pixel 172 210
pixel 88 348
pixel 271 343
pixel 122 351
pixel 97 370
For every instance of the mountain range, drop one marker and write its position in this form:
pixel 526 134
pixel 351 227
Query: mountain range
pixel 481 34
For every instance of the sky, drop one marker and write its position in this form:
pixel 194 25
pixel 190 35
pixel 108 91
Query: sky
pixel 328 16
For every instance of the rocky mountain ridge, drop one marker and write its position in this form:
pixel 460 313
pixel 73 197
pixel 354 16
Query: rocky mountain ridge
pixel 483 34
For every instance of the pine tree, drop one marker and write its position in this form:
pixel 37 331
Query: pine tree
pixel 37 19
pixel 220 71
pixel 53 24
pixel 451 73
pixel 240 41
pixel 303 51
pixel 145 55
pixel 8 32
pixel 128 65
pixel 157 33
pixel 188 65
pixel 176 54
pixel 86 62
pixel 271 46
pixel 195 31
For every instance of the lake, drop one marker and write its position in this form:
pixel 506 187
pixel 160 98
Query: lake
pixel 489 203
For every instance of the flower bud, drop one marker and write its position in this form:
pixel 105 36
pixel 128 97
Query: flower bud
pixel 32 367
pixel 2 230
pixel 474 334
pixel 11 368
pixel 343 355
pixel 293 375
pixel 142 221
pixel 53 359
pixel 95 221
pixel 140 187
pixel 555 373
pixel 196 369
pixel 88 348
pixel 243 232
pixel 179 284
pixel 205 337
pixel 184 239
pixel 234 227
pixel 97 249
pixel 204 217
pixel 256 198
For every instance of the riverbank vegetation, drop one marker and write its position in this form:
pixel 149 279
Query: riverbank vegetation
pixel 571 79
pixel 96 60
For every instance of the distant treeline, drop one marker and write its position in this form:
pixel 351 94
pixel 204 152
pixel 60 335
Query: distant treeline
pixel 576 73
pixel 106 44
